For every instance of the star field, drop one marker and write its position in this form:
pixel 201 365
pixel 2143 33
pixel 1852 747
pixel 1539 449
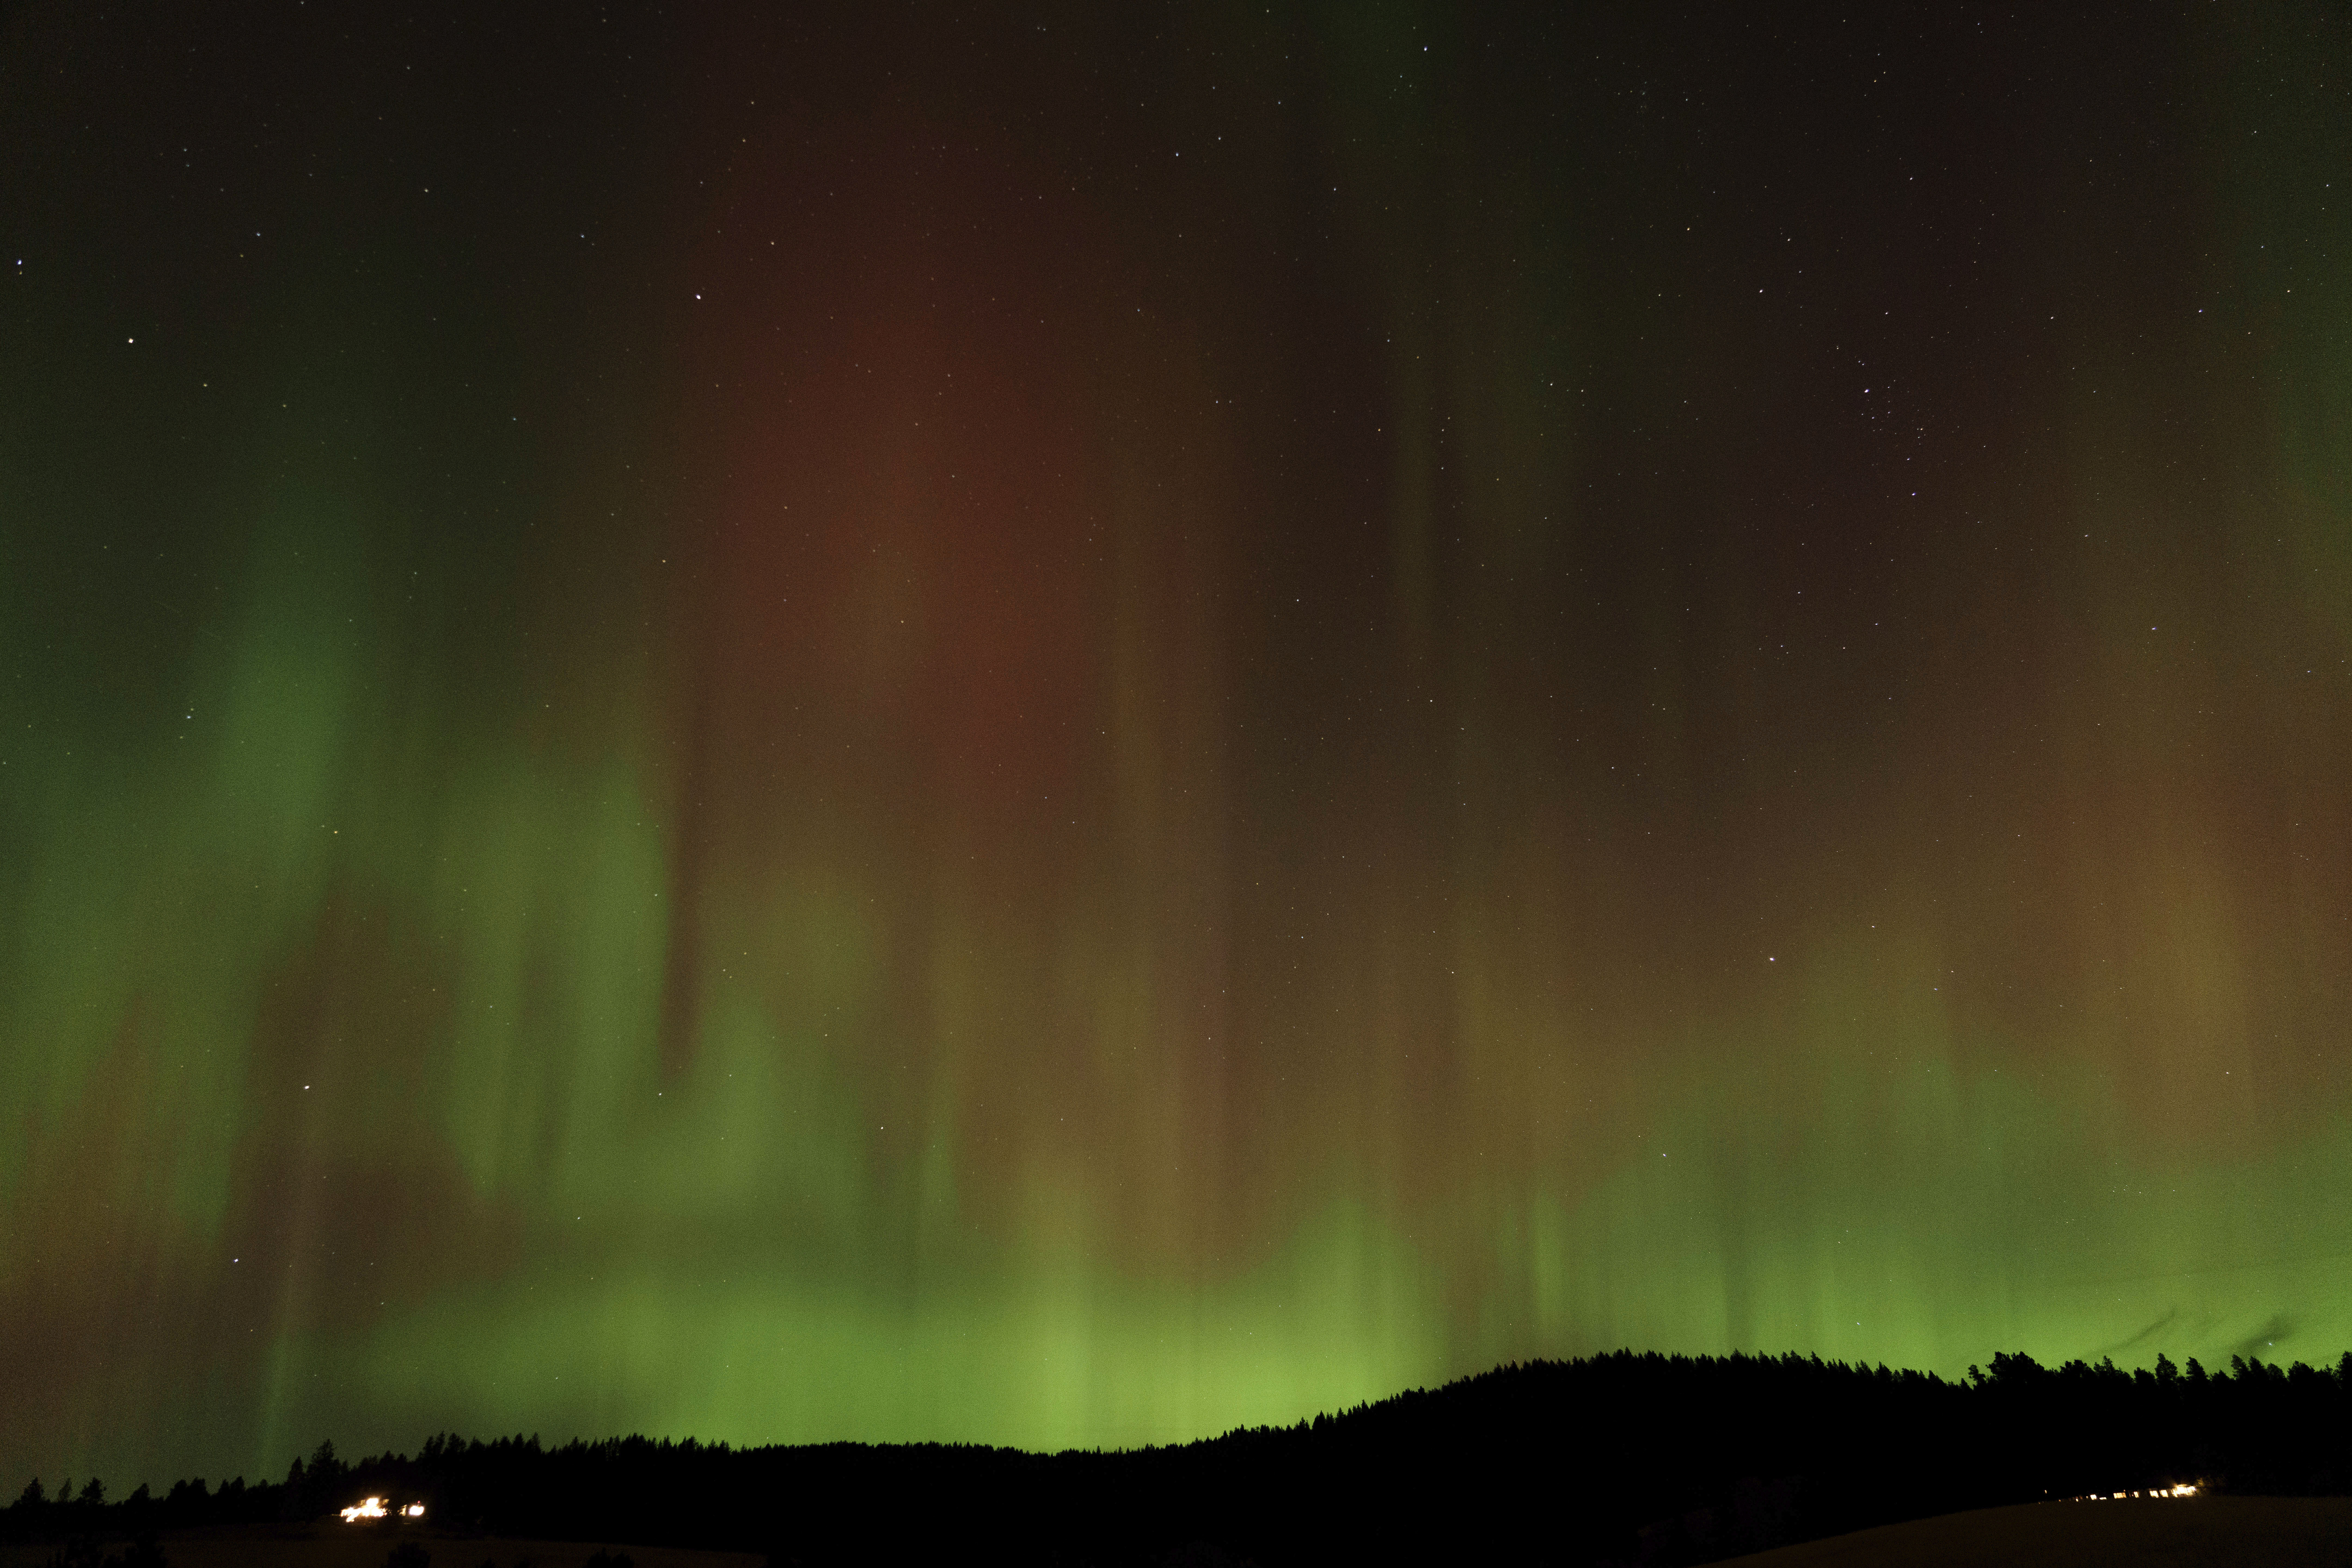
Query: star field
pixel 1065 726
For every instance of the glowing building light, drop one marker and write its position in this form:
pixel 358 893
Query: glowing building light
pixel 366 1508
pixel 414 1511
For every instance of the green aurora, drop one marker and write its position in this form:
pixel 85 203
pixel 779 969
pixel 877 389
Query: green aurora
pixel 1064 731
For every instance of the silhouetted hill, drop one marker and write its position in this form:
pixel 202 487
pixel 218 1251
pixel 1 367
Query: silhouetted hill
pixel 1621 1459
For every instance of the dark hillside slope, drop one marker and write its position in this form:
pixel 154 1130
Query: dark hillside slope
pixel 2209 1533
pixel 1622 1458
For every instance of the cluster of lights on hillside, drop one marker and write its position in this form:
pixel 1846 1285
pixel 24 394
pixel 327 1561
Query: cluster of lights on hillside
pixel 2184 1490
pixel 373 1507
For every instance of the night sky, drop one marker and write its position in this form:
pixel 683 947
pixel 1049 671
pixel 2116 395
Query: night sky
pixel 1067 724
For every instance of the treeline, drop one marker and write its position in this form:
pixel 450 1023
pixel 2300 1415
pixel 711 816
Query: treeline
pixel 1617 1459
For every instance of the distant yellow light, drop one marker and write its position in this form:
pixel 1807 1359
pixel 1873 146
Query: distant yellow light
pixel 366 1508
pixel 415 1510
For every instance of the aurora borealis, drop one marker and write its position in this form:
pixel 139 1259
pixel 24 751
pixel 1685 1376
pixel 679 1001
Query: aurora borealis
pixel 1065 724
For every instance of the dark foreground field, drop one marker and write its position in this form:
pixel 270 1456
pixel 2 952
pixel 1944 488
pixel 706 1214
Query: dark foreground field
pixel 2201 1532
pixel 336 1545
pixel 2205 1533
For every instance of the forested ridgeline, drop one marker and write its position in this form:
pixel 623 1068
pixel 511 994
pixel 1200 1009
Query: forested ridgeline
pixel 1622 1458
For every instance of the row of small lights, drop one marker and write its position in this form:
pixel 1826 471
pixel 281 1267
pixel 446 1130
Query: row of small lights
pixel 2184 1490
pixel 373 1507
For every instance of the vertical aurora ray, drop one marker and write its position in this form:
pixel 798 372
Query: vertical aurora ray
pixel 1074 733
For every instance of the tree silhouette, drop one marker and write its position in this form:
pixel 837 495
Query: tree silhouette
pixel 1669 1460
